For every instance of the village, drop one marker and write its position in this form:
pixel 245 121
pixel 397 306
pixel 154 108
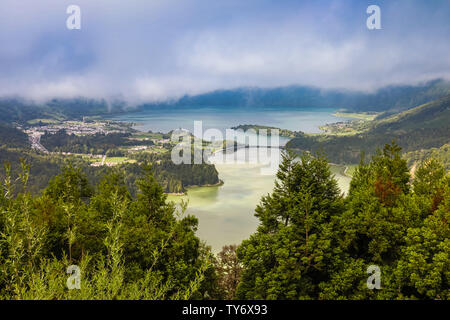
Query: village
pixel 78 127
pixel 92 128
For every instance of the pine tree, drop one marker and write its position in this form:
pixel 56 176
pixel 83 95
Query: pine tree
pixel 292 251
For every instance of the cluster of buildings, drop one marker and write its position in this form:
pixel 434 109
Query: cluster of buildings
pixel 71 127
pixel 77 128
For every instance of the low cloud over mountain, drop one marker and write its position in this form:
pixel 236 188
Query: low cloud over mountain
pixel 156 50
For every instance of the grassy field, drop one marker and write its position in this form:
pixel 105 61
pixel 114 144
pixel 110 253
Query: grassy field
pixel 153 149
pixel 363 115
pixel 119 160
pixel 146 135
pixel 91 159
pixel 157 150
pixel 360 124
pixel 44 121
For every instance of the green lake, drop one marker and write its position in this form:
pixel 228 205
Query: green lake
pixel 226 212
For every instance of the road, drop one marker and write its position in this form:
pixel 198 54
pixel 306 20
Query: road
pixel 35 140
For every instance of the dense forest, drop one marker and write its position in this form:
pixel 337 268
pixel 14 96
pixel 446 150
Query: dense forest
pixel 12 137
pixel 173 178
pixel 312 242
pixel 126 247
pixel 41 167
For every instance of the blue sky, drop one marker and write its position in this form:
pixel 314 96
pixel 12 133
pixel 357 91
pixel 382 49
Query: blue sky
pixel 158 49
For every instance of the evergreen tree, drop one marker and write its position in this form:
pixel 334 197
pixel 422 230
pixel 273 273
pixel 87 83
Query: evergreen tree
pixel 377 227
pixel 229 271
pixel 423 271
pixel 127 247
pixel 292 251
pixel 430 183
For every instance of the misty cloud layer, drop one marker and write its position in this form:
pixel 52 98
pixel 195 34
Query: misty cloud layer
pixel 159 49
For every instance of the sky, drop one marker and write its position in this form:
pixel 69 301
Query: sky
pixel 153 50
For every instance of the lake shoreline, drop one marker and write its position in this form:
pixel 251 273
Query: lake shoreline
pixel 179 194
pixel 225 210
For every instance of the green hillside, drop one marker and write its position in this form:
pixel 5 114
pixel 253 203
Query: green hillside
pixel 12 137
pixel 424 127
pixel 435 114
pixel 22 111
pixel 442 154
pixel 392 98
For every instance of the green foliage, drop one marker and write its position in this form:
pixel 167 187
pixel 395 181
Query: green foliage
pixel 229 269
pixel 423 127
pixel 424 268
pixel 175 178
pixel 94 144
pixel 257 128
pixel 292 251
pixel 18 110
pixel 126 247
pixel 313 244
pixel 442 154
pixel 12 137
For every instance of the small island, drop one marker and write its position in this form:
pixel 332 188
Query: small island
pixel 257 128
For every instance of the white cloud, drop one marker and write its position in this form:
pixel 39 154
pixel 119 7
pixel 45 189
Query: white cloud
pixel 151 51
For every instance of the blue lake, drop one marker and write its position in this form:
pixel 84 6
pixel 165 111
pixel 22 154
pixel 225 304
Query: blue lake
pixel 165 119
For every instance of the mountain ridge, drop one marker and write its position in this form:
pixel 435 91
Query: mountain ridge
pixel 390 100
pixel 423 127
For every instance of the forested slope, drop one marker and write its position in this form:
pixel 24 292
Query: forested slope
pixel 426 126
